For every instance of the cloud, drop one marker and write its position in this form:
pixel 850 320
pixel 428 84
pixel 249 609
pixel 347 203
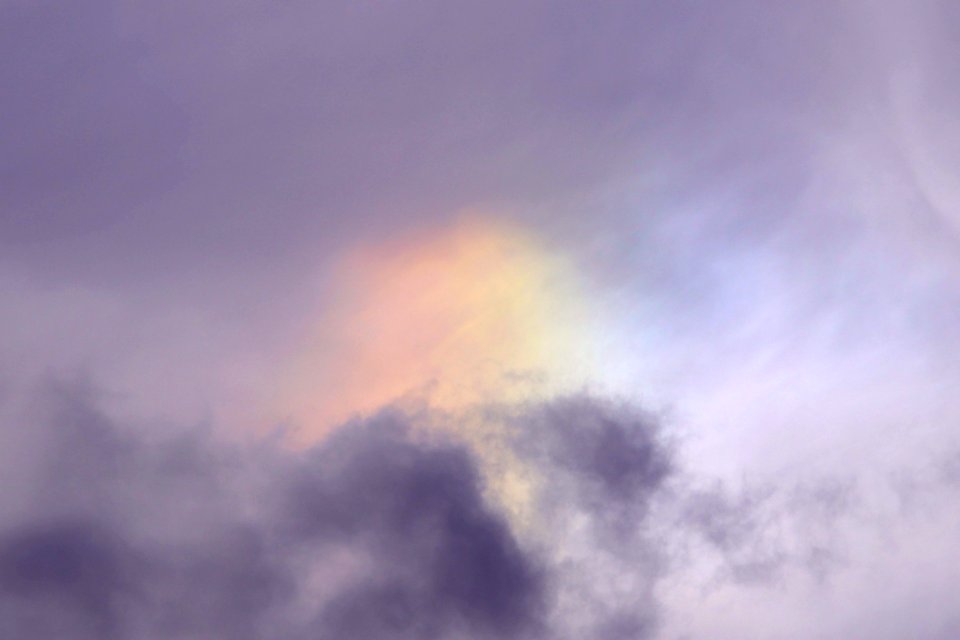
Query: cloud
pixel 307 125
pixel 387 530
pixel 443 563
pixel 88 138
pixel 759 197
pixel 378 532
pixel 602 467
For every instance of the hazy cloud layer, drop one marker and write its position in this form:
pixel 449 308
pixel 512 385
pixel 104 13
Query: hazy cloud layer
pixel 758 199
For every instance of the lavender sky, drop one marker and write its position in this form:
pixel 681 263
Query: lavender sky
pixel 471 320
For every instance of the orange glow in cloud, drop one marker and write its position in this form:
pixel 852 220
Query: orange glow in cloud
pixel 477 311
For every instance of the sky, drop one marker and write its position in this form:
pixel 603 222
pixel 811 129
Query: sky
pixel 527 320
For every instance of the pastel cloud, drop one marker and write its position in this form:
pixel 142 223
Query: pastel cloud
pixel 463 314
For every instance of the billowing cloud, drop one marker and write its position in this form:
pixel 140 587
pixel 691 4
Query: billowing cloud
pixel 389 527
pixel 379 531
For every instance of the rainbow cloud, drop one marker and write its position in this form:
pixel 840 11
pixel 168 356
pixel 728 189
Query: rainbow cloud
pixel 473 312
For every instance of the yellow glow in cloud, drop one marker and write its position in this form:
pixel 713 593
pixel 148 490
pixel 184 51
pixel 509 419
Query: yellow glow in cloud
pixel 451 317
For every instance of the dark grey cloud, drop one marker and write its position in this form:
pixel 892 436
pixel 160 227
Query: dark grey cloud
pixel 121 537
pixel 377 533
pixel 613 456
pixel 444 564
pixel 604 466
pixel 387 531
